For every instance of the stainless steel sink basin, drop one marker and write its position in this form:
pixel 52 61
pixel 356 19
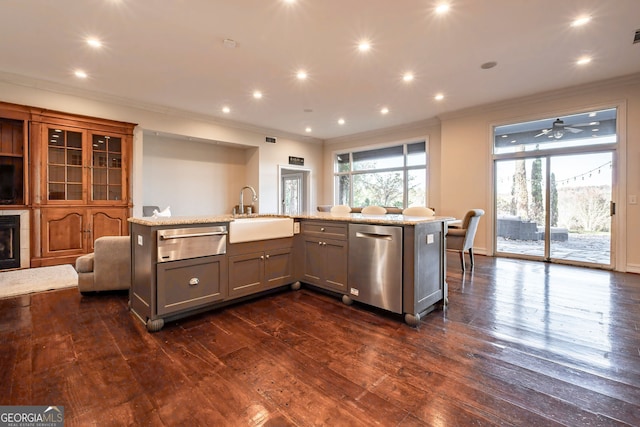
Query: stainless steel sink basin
pixel 259 228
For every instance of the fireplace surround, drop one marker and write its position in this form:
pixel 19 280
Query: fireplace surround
pixel 18 256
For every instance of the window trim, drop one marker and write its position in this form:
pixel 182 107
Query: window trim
pixel 404 168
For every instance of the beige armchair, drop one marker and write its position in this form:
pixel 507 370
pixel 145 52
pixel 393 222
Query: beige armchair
pixel 108 267
pixel 461 239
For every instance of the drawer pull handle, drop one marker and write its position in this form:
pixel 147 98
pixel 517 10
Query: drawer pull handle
pixel 321 228
pixel 194 281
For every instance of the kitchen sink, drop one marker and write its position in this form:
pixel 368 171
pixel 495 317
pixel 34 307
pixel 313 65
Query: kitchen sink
pixel 259 228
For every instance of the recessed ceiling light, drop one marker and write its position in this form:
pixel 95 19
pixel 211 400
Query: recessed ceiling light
pixel 439 97
pixel 94 42
pixel 442 8
pixel 301 75
pixel 592 114
pixel 384 110
pixel 581 21
pixel 307 129
pixel 583 60
pixel 226 109
pixel 257 94
pixel 289 1
pixel 340 121
pixel 407 77
pixel 80 74
pixel 364 46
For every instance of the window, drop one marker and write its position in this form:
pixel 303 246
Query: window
pixel 394 176
pixel 577 130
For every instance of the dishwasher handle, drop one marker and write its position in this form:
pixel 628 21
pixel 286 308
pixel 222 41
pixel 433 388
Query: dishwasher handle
pixel 374 236
pixel 184 236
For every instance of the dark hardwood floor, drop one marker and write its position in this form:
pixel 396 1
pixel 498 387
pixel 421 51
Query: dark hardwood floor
pixel 521 343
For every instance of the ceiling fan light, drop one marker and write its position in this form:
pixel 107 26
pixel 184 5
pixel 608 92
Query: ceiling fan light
pixel 557 134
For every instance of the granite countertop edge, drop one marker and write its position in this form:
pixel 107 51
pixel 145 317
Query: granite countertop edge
pixel 389 219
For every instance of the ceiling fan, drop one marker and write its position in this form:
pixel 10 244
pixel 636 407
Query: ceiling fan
pixel 558 129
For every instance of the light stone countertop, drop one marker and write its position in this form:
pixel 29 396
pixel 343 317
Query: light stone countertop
pixel 388 219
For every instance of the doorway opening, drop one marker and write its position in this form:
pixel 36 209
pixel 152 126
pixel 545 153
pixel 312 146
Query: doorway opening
pixel 294 190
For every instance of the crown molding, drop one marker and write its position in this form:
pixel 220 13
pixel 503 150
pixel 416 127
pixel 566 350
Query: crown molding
pixel 546 96
pixel 49 86
pixel 420 125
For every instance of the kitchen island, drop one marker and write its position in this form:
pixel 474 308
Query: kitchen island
pixel 186 265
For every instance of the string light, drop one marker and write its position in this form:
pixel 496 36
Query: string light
pixel 585 174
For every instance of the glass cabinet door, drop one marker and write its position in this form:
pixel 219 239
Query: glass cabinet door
pixel 64 164
pixel 106 177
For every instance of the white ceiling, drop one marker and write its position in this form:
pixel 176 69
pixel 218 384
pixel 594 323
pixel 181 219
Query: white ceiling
pixel 171 54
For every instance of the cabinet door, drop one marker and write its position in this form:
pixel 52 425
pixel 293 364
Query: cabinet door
pixel 245 273
pixel 336 258
pixel 63 162
pixel 108 160
pixel 314 260
pixel 188 284
pixel 278 267
pixel 107 222
pixel 64 232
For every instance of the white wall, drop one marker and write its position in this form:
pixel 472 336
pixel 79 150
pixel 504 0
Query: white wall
pixel 194 178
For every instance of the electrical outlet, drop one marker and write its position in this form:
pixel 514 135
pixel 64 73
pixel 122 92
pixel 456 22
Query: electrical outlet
pixel 139 239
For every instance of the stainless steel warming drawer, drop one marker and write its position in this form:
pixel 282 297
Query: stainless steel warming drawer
pixel 191 242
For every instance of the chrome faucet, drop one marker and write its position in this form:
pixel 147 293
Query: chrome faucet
pixel 254 198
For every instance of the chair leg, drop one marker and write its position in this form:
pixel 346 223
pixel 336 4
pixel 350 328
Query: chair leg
pixel 462 260
pixel 471 257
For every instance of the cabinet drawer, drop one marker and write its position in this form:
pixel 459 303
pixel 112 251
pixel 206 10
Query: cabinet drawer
pixel 329 230
pixel 190 283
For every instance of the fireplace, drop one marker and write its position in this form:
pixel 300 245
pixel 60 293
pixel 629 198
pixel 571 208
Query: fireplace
pixel 9 241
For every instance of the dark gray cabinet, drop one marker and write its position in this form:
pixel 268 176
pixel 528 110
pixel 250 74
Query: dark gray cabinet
pixel 260 266
pixel 326 256
pixel 191 283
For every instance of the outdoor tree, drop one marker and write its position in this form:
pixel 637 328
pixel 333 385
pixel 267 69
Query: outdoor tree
pixel 553 214
pixel 537 207
pixel 521 194
pixel 383 189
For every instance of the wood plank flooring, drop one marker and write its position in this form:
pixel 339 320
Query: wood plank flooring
pixel 521 343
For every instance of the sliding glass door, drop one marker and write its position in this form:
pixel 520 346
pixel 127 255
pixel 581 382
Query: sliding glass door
pixel 554 189
pixel 556 207
pixel 581 208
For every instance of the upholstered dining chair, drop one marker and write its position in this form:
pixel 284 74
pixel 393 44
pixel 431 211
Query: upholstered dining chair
pixel 373 210
pixel 461 239
pixel 418 211
pixel 340 209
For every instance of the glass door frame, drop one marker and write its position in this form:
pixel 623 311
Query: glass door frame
pixel 546 156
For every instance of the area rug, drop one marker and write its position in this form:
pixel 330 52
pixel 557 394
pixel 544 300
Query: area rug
pixel 20 282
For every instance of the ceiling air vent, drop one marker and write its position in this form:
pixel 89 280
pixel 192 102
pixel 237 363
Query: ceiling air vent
pixel 636 37
pixel 270 139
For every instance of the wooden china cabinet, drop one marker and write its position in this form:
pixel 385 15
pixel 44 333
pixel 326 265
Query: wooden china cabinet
pixel 81 183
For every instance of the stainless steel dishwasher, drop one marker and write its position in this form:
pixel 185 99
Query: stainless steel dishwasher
pixel 375 265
